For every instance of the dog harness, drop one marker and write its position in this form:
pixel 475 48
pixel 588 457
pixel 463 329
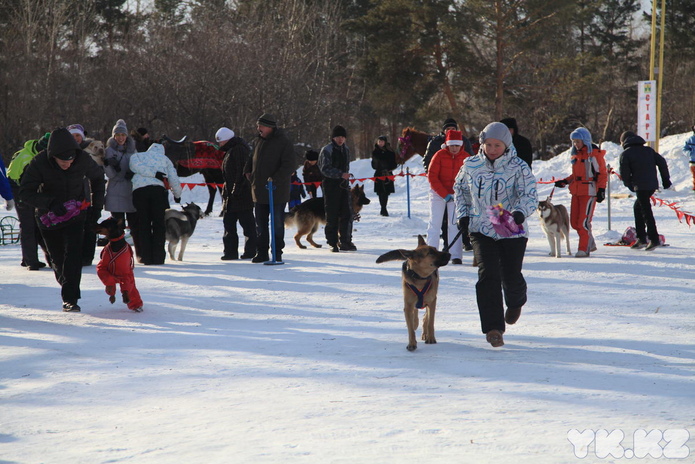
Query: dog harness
pixel 420 294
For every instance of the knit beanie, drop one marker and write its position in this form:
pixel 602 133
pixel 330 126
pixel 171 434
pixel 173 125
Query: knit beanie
pixel 76 129
pixel 496 130
pixel 583 134
pixel 311 155
pixel 62 145
pixel 450 122
pixel 510 123
pixel 338 131
pixel 454 137
pixel 224 134
pixel 142 131
pixel 383 137
pixel 625 135
pixel 267 120
pixel 119 128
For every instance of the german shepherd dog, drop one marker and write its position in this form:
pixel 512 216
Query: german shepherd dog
pixel 556 225
pixel 180 226
pixel 420 276
pixel 309 215
pixel 116 264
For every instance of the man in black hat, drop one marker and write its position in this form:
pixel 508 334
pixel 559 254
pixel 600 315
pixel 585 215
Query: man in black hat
pixel 334 162
pixel 273 158
pixel 53 183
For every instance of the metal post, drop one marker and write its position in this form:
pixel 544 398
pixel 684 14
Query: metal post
pixel 407 189
pixel 608 194
pixel 273 261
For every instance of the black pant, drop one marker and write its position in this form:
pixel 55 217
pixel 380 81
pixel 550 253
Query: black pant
pixel 499 269
pixel 65 248
pixel 383 202
pixel 262 228
pixel 29 233
pixel 645 225
pixel 336 198
pixel 151 202
pixel 230 239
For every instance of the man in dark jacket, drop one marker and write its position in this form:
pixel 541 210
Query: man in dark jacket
pixel 237 196
pixel 273 157
pixel 438 140
pixel 53 183
pixel 638 164
pixel 334 163
pixel 524 150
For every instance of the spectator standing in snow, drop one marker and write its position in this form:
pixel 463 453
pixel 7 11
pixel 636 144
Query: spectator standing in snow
pixel 383 163
pixel 437 142
pixel 151 199
pixel 29 234
pixel 272 158
pixel 237 196
pixel 638 165
pixel 689 149
pixel 5 189
pixel 587 185
pixel 119 189
pixel 53 183
pixel 334 162
pixel 444 167
pixel 496 176
pixel 311 172
pixel 523 147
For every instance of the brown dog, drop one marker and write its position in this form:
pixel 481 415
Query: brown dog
pixel 420 285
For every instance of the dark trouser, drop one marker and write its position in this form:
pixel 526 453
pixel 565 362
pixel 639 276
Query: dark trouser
pixel 645 225
pixel 29 233
pixel 262 228
pixel 230 239
pixel 132 220
pixel 336 200
pixel 65 248
pixel 499 269
pixel 311 190
pixel 89 241
pixel 383 201
pixel 151 202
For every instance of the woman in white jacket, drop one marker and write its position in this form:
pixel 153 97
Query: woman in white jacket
pixel 150 197
pixel 493 177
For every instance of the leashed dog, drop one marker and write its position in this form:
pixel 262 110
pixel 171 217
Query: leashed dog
pixel 180 225
pixel 309 215
pixel 556 224
pixel 420 284
pixel 116 264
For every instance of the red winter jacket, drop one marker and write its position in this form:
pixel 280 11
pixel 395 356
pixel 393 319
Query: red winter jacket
pixel 443 170
pixel 588 172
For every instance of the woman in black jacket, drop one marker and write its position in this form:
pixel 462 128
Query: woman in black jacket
pixel 383 162
pixel 53 183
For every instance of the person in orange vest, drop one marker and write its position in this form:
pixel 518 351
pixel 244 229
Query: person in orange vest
pixel 587 185
pixel 443 168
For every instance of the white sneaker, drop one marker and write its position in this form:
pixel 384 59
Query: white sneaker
pixel 581 254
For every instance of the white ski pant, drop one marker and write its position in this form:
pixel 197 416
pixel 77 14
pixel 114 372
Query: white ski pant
pixel 437 207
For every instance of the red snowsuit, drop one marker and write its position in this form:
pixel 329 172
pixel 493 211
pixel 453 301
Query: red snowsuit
pixel 117 268
pixel 588 175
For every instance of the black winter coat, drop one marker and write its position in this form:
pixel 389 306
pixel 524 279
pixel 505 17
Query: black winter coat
pixel 383 162
pixel 524 150
pixel 44 181
pixel 272 157
pixel 237 188
pixel 638 165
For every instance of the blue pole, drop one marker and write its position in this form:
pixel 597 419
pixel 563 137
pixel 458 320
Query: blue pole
pixel 272 224
pixel 407 188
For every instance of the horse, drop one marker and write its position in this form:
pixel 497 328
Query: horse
pixel 412 142
pixel 197 157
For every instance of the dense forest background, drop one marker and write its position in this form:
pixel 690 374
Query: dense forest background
pixel 188 67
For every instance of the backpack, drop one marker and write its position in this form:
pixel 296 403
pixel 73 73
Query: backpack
pixel 630 236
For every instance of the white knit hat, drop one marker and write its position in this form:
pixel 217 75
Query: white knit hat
pixel 224 134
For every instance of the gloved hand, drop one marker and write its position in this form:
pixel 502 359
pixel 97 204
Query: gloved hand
pixel 600 195
pixel 561 183
pixel 116 165
pixel 129 175
pixel 449 198
pixel 462 224
pixel 177 200
pixel 667 185
pixel 9 205
pixel 58 208
pixel 160 175
pixel 518 217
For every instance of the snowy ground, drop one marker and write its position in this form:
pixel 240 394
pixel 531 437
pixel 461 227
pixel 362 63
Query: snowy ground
pixel 306 362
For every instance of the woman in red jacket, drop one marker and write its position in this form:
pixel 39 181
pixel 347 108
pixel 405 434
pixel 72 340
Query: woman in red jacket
pixel 587 186
pixel 441 174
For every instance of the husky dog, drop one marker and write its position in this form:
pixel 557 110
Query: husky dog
pixel 309 215
pixel 556 224
pixel 420 279
pixel 180 226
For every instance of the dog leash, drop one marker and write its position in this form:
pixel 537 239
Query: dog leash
pixel 449 245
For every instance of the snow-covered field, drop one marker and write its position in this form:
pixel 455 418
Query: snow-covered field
pixel 233 362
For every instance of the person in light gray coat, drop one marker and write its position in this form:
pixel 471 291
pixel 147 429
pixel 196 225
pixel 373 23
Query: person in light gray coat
pixel 119 189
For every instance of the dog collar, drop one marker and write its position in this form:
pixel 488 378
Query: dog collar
pixel 117 239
